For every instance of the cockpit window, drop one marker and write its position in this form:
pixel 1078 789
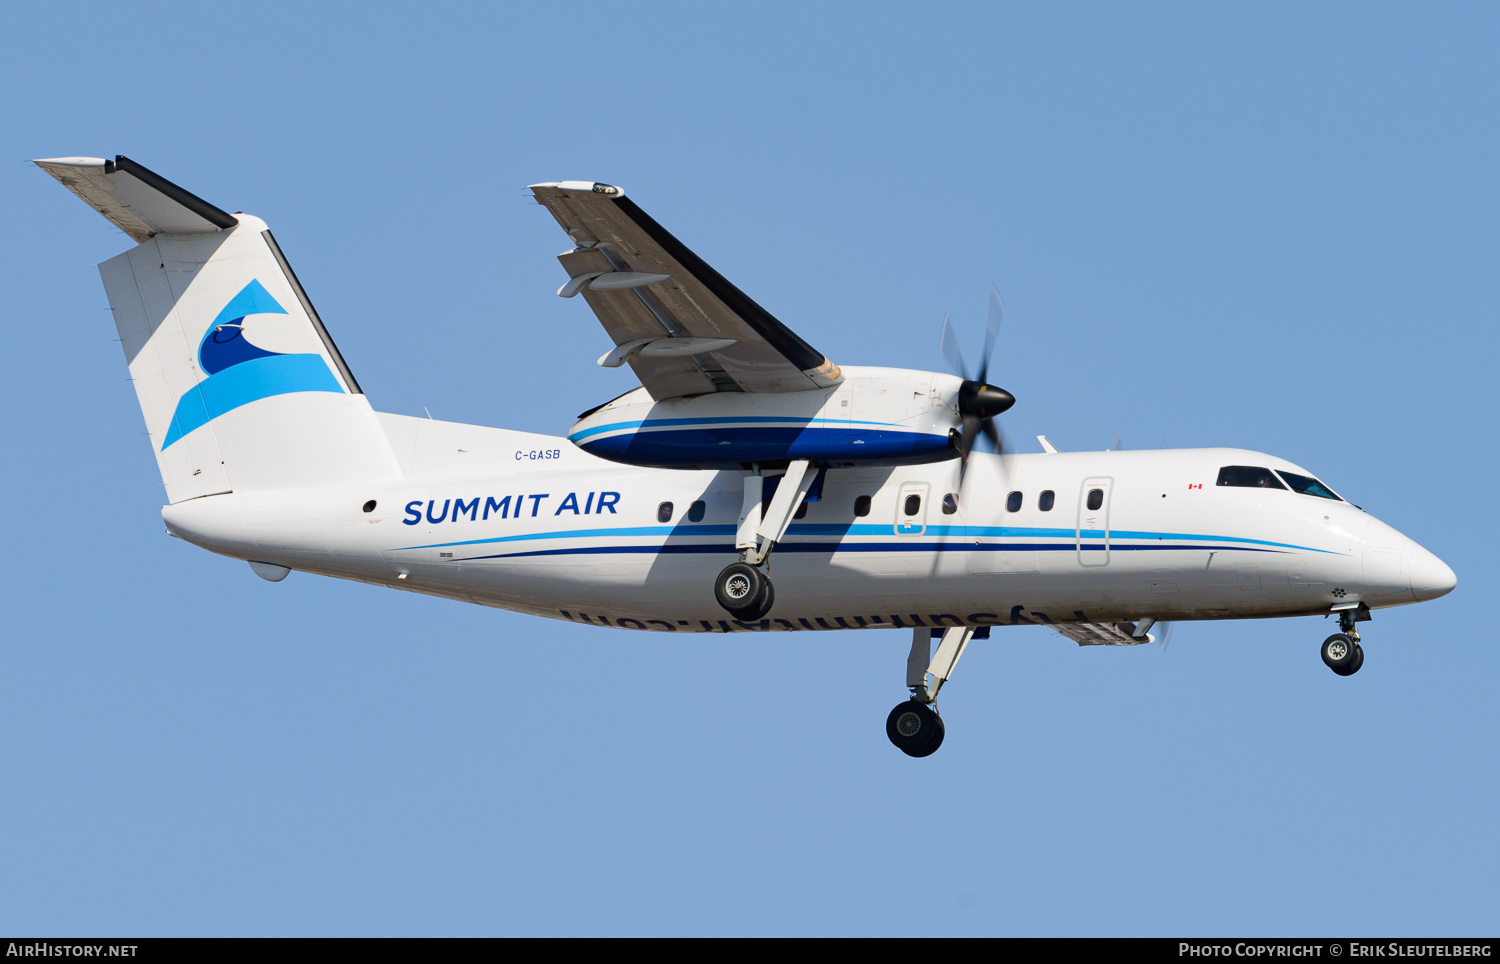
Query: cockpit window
pixel 1308 486
pixel 1249 477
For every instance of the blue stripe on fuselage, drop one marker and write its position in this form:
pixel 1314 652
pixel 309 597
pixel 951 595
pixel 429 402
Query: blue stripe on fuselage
pixel 832 547
pixel 864 529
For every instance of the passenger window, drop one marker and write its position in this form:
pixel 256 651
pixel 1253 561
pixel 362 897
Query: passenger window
pixel 801 511
pixel 862 506
pixel 696 510
pixel 1046 500
pixel 1013 502
pixel 1309 486
pixel 950 503
pixel 1096 498
pixel 664 512
pixel 913 505
pixel 1249 477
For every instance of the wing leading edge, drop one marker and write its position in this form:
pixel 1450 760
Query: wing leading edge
pixel 680 325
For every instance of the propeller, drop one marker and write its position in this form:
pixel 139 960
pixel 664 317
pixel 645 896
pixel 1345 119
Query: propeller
pixel 978 401
pixel 1166 635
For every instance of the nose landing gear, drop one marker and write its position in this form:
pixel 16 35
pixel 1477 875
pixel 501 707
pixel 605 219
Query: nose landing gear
pixel 1341 651
pixel 1342 654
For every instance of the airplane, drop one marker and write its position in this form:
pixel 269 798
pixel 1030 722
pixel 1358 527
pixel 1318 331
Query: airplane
pixel 742 447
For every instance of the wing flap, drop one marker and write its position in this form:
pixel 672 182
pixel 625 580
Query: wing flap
pixel 627 318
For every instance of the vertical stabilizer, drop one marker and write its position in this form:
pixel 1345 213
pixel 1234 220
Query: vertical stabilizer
pixel 239 383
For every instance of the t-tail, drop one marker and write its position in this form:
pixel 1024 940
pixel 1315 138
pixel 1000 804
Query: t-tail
pixel 239 382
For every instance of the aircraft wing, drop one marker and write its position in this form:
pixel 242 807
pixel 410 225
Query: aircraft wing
pixel 677 322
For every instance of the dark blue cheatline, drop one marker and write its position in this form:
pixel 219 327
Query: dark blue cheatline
pixel 734 445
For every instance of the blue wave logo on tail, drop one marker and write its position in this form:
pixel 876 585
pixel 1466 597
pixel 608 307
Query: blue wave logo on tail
pixel 239 372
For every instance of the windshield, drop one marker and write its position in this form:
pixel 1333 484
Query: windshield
pixel 1308 485
pixel 1249 477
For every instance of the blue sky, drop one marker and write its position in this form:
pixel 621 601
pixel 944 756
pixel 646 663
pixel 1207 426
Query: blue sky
pixel 1270 226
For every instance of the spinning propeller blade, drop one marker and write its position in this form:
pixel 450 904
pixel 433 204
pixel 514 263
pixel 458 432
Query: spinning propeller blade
pixel 978 401
pixel 993 433
pixel 991 332
pixel 948 345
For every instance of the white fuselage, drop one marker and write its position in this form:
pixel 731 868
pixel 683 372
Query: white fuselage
pixel 270 452
pixel 587 544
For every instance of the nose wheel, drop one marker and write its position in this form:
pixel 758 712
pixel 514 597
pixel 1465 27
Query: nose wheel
pixel 1341 652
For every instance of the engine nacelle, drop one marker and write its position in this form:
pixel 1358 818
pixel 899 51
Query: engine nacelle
pixel 877 416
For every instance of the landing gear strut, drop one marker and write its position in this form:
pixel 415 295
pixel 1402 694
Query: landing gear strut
pixel 743 589
pixel 914 726
pixel 1341 651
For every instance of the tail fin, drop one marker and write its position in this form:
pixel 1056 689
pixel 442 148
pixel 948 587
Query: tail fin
pixel 240 384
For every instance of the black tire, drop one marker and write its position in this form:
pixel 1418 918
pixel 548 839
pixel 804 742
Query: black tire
pixel 914 729
pixel 739 588
pixel 935 742
pixel 761 607
pixel 1353 667
pixel 1339 652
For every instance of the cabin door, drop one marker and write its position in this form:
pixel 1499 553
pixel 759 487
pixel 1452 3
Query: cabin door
pixel 1093 521
pixel 911 509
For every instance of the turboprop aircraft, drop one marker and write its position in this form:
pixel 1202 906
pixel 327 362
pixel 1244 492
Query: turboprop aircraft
pixel 745 451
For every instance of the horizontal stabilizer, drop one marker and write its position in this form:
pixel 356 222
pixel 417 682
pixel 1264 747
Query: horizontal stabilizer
pixel 136 200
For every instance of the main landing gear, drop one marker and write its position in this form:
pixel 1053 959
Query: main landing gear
pixel 743 588
pixel 1341 651
pixel 744 591
pixel 914 726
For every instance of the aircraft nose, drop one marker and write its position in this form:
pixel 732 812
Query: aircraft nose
pixel 1430 576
